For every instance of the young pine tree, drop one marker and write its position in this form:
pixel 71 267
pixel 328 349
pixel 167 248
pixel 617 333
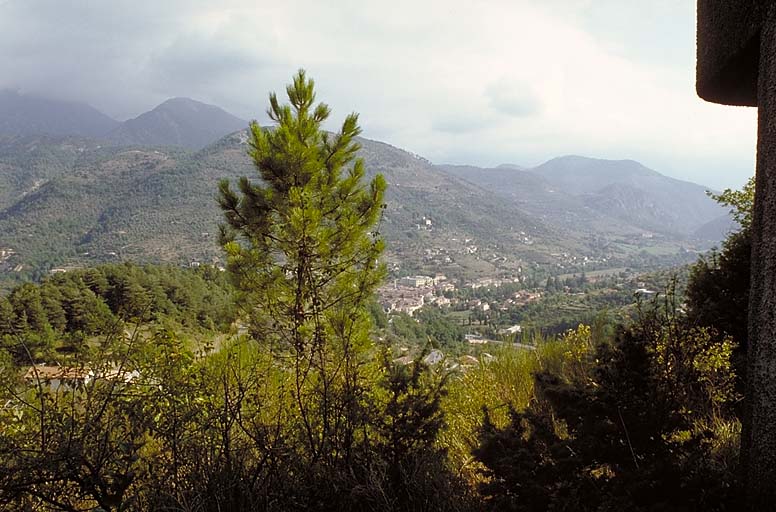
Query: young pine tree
pixel 304 252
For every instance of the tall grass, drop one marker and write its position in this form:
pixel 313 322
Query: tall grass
pixel 504 383
pixel 500 384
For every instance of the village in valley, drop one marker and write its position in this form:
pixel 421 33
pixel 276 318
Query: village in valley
pixel 496 294
pixel 515 307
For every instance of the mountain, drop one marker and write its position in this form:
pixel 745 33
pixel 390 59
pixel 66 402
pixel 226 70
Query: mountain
pixel 514 167
pixel 417 190
pixel 149 195
pixel 535 195
pixel 25 115
pixel 717 229
pixel 180 122
pixel 158 204
pixel 516 183
pixel 579 175
pixel 627 190
pixel 595 195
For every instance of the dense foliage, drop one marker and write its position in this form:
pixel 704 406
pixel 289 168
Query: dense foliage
pixel 304 248
pixel 640 423
pixel 428 326
pixel 718 290
pixel 648 420
pixel 302 256
pixel 62 314
pixel 305 413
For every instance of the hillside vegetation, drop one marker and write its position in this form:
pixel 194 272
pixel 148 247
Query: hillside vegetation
pixel 73 202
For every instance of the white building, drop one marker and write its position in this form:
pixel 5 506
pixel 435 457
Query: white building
pixel 416 281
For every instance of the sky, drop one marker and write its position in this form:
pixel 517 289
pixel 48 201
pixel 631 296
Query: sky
pixel 455 81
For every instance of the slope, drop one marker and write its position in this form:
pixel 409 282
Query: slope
pixel 179 122
pixel 625 189
pixel 601 196
pixel 26 115
pixel 28 161
pixel 149 204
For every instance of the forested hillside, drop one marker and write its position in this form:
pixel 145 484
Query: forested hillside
pixel 96 203
pixel 72 202
pixel 67 316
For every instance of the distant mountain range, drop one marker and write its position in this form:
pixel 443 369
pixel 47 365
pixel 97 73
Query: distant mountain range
pixel 77 187
pixel 594 194
pixel 177 122
pixel 159 203
pixel 181 122
pixel 28 115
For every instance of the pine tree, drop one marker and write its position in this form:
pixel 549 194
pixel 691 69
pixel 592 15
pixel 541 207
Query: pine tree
pixel 304 252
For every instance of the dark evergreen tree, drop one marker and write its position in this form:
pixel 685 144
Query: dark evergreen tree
pixel 7 317
pixel 628 429
pixel 27 304
pixel 407 459
pixel 304 250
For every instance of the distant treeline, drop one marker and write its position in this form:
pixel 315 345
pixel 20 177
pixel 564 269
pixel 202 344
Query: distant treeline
pixel 61 312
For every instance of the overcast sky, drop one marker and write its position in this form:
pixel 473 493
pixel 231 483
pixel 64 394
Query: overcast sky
pixel 456 81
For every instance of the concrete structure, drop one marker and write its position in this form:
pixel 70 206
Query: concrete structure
pixel 416 281
pixel 54 377
pixel 737 66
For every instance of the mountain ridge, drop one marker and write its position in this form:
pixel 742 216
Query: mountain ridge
pixel 158 204
pixel 22 114
pixel 149 195
pixel 585 192
pixel 181 122
pixel 178 121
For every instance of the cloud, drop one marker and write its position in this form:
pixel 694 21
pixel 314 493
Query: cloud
pixel 454 123
pixel 88 51
pixel 514 99
pixel 512 80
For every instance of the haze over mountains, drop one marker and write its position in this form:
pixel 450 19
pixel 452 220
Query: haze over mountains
pixel 76 186
pixel 581 193
pixel 26 115
pixel 176 122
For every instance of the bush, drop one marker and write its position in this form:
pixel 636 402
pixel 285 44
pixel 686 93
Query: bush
pixel 642 423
